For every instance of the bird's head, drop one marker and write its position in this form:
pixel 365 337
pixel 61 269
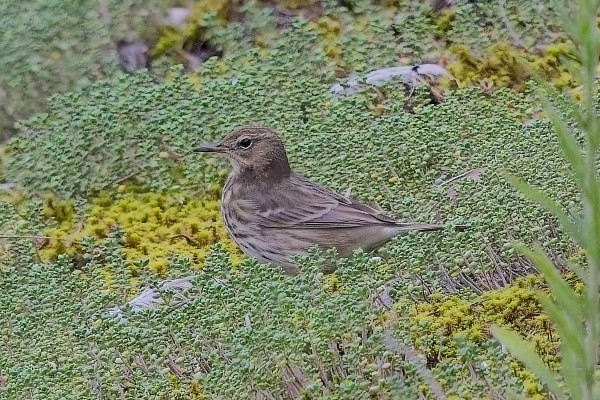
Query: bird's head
pixel 252 150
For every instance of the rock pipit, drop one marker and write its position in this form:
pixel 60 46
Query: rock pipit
pixel 272 213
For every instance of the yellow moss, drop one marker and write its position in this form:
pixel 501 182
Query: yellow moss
pixel 392 6
pixel 438 322
pixel 261 40
pixel 134 287
pixel 195 80
pixel 168 40
pixel 172 39
pixel 4 257
pixel 531 386
pixel 196 390
pixel 109 280
pixel 502 65
pixel 14 197
pixel 362 22
pixel 59 210
pixel 332 283
pixel 182 390
pixel 499 68
pixel 155 226
pixel 330 30
pixel 443 23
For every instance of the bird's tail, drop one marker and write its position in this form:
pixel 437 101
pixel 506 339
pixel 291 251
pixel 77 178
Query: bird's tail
pixel 416 226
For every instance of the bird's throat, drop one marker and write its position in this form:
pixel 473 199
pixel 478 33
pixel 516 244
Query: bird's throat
pixel 267 174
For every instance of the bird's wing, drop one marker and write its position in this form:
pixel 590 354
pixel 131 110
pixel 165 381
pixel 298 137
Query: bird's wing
pixel 306 205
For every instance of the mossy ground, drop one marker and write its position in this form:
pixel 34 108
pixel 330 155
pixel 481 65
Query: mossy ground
pixel 440 325
pixel 51 58
pixel 129 206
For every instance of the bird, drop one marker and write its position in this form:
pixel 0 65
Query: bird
pixel 273 213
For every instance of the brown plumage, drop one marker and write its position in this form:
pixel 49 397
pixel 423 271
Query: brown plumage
pixel 272 213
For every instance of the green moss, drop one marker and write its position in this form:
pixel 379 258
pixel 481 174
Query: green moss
pixel 236 333
pixel 44 53
pixel 143 132
pixel 51 58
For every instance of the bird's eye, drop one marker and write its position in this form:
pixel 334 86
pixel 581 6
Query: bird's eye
pixel 245 143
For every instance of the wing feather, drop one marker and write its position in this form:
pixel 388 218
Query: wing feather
pixel 309 206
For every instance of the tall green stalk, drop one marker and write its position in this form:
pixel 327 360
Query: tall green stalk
pixel 575 316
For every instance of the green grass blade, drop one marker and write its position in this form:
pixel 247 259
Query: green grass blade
pixel 568 143
pixel 572 346
pixel 524 353
pixel 562 291
pixel 581 273
pixel 569 333
pixel 550 205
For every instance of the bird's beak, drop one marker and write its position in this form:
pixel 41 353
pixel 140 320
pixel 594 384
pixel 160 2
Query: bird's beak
pixel 215 147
